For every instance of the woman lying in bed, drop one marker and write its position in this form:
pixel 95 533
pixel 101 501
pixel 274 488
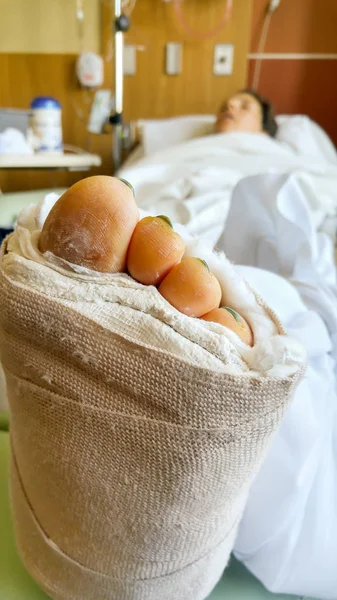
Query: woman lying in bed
pixel 189 174
pixel 246 112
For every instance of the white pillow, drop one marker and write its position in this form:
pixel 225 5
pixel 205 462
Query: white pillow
pixel 298 132
pixel 305 137
pixel 158 134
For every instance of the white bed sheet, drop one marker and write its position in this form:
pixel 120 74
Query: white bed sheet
pixel 293 548
pixel 192 183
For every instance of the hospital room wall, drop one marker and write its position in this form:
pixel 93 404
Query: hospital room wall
pixel 306 86
pixel 37 63
pixel 153 93
pixel 39 40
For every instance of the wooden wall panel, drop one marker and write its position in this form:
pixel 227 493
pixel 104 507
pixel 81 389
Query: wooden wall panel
pixel 299 86
pixel 48 26
pixel 152 93
pixel 296 87
pixel 297 26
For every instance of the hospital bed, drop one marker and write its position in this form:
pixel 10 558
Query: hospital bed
pixel 181 169
pixel 298 134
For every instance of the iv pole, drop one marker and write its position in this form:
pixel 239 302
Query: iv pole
pixel 120 26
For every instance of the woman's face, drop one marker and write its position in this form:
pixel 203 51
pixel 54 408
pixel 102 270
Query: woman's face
pixel 242 112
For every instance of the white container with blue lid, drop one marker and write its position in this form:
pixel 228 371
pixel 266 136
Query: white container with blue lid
pixel 45 133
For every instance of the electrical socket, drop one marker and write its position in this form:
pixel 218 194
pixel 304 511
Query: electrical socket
pixel 130 60
pixel 223 59
pixel 173 58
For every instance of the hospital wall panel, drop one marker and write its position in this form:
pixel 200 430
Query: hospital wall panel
pixel 302 87
pixel 48 26
pixel 305 81
pixel 152 93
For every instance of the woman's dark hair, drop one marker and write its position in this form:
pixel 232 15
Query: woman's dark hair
pixel 269 124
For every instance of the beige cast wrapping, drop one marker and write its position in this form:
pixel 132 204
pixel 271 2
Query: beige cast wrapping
pixel 130 464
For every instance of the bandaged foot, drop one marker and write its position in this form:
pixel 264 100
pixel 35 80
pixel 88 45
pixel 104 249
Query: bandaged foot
pixel 91 224
pixel 137 428
pixel 95 224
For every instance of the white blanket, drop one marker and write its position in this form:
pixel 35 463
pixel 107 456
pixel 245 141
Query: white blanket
pixel 288 536
pixel 192 183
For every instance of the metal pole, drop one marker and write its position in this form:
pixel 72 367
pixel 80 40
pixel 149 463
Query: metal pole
pixel 121 24
pixel 118 53
pixel 118 60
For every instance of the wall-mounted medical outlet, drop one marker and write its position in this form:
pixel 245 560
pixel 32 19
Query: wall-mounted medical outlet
pixel 130 60
pixel 223 59
pixel 100 111
pixel 173 58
